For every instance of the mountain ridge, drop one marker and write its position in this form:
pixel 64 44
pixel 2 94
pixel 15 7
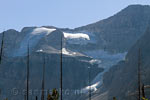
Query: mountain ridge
pixel 101 46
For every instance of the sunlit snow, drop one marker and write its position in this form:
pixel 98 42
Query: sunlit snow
pixel 92 87
pixel 32 38
pixel 42 30
pixel 64 51
pixel 78 38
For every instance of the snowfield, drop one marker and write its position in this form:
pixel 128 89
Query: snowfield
pixel 42 30
pixel 76 36
pixel 79 38
pixel 32 38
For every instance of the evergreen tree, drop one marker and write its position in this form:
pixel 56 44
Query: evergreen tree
pixel 54 96
pixel 114 98
pixel 49 97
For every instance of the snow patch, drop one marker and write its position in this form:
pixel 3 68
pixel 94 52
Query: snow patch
pixel 79 38
pixel 39 50
pixel 95 61
pixel 76 36
pixel 42 30
pixel 65 52
pixel 92 88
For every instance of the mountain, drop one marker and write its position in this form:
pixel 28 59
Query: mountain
pixel 121 80
pixel 119 32
pixel 99 46
pixel 42 41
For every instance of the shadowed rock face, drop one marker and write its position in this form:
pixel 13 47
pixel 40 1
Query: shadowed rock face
pixel 121 80
pixel 75 73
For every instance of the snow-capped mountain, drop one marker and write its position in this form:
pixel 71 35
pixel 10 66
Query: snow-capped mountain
pixel 99 46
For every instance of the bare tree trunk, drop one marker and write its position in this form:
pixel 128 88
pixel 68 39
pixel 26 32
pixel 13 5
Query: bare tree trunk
pixel 139 75
pixel 2 46
pixel 36 98
pixel 43 81
pixel 25 96
pixel 143 91
pixel 27 73
pixel 61 87
pixel 89 83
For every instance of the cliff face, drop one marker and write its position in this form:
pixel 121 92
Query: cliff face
pixel 121 80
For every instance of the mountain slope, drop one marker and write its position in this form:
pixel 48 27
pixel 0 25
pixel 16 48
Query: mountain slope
pixel 119 32
pixel 121 80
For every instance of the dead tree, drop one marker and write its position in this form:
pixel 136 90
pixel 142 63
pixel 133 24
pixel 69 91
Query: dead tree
pixel 139 75
pixel 89 83
pixel 143 91
pixel 61 63
pixel 27 84
pixel 36 98
pixel 43 80
pixel 2 46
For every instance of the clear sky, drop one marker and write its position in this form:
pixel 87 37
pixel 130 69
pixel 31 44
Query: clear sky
pixel 16 14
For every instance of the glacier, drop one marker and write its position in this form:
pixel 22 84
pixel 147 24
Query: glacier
pixel 104 60
pixel 32 38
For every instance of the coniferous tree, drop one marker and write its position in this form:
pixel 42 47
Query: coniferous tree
pixel 49 97
pixel 54 96
pixel 114 98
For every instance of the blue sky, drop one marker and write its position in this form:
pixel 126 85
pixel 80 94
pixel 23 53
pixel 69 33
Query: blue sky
pixel 16 14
